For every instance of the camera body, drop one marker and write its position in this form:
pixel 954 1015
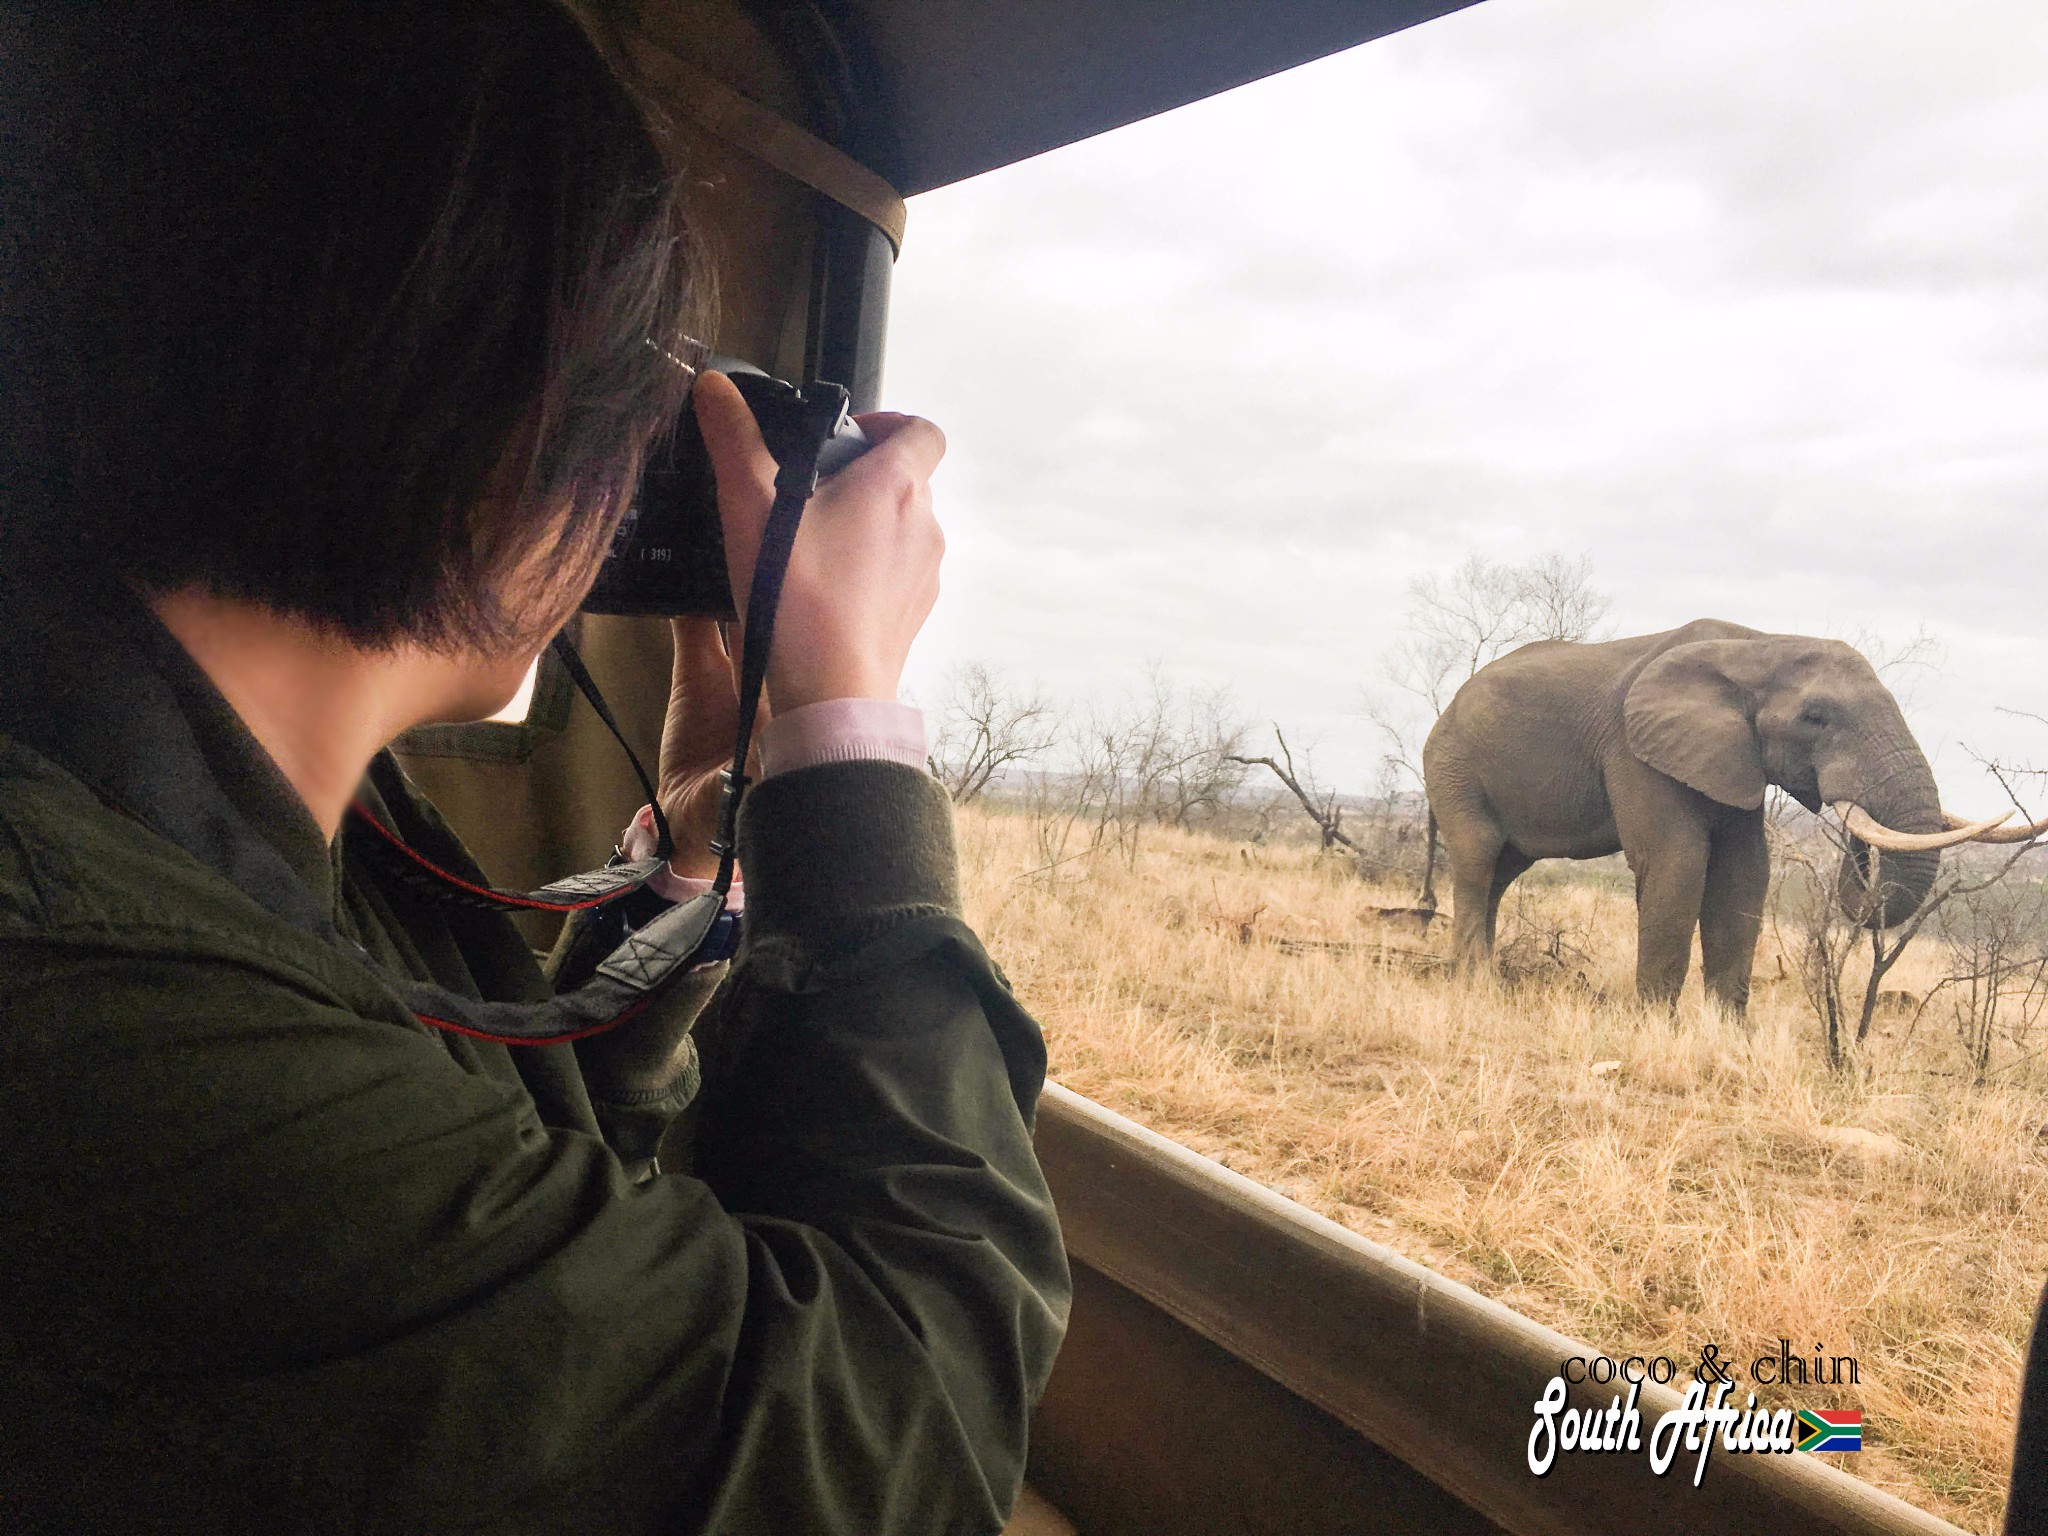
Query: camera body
pixel 668 556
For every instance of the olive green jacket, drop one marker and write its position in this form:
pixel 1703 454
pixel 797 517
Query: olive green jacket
pixel 280 1257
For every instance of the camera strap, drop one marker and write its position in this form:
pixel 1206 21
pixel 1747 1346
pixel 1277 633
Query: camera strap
pixel 575 893
pixel 824 407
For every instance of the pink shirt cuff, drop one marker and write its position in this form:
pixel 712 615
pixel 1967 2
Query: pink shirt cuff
pixel 831 731
pixel 843 731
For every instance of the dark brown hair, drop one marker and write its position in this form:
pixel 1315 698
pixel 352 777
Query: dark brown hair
pixel 341 306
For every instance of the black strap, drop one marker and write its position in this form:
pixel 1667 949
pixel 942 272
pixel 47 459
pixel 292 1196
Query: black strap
pixel 824 407
pixel 793 487
pixel 565 652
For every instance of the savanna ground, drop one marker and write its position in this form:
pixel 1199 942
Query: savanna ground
pixel 1643 1184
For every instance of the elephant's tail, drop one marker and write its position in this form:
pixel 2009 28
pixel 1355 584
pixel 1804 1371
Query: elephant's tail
pixel 1427 901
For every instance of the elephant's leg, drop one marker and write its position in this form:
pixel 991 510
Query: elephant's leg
pixel 1475 849
pixel 1671 881
pixel 1510 865
pixel 1732 909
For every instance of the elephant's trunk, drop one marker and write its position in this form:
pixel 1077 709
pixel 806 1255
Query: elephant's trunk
pixel 1901 885
pixel 1881 889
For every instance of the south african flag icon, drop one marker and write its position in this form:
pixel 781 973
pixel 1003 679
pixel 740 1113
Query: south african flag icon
pixel 1831 1429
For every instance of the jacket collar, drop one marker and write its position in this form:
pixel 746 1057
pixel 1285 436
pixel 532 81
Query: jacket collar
pixel 92 680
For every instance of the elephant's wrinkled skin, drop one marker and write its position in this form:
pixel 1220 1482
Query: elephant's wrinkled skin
pixel 1660 747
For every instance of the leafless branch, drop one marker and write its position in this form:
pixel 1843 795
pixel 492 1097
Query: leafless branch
pixel 1321 805
pixel 985 729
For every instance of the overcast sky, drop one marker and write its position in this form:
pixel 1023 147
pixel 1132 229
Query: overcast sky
pixel 1746 301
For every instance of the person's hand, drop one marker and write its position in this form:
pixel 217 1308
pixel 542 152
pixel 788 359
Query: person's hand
pixel 865 571
pixel 696 742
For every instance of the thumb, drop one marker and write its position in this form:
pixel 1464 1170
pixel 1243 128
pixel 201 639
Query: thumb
pixel 744 470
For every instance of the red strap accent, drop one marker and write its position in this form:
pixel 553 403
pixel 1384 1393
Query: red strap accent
pixel 575 1034
pixel 527 902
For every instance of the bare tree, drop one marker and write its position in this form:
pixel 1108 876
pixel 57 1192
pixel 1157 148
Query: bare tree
pixel 1456 624
pixel 1905 662
pixel 1825 943
pixel 985 728
pixel 1484 609
pixel 1559 600
pixel 1995 986
pixel 1387 834
pixel 1200 773
pixel 1996 929
pixel 1321 804
pixel 1165 754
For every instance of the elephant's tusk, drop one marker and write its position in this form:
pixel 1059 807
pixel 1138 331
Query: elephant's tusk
pixel 2026 834
pixel 1878 835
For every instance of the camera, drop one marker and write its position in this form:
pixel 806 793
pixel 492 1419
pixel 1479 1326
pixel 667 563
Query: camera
pixel 668 556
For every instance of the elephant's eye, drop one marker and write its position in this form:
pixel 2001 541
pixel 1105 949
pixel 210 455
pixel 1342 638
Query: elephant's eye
pixel 1813 714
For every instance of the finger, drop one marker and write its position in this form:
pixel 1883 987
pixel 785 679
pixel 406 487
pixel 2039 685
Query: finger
pixel 744 470
pixel 703 703
pixel 879 424
pixel 700 656
pixel 731 435
pixel 920 443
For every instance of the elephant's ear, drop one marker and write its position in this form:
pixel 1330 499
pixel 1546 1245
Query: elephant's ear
pixel 1689 716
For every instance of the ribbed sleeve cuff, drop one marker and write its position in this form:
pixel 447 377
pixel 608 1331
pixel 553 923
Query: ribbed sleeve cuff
pixel 839 731
pixel 837 853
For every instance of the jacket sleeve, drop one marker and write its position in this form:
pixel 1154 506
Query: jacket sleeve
pixel 304 1252
pixel 868 1108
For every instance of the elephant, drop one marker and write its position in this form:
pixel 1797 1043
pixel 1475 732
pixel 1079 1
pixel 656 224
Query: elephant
pixel 1660 747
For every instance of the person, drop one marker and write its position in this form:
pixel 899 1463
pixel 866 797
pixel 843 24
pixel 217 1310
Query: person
pixel 328 375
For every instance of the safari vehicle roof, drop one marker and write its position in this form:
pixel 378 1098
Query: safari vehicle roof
pixel 948 89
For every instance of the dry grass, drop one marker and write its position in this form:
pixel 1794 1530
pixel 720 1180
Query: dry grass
pixel 1719 1185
